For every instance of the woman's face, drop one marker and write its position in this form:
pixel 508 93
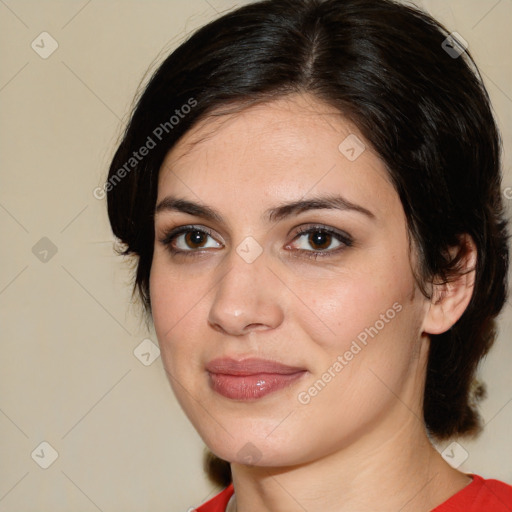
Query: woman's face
pixel 286 243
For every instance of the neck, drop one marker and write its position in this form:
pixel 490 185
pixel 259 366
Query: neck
pixel 359 477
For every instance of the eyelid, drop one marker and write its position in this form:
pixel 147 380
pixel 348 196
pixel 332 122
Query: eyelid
pixel 342 236
pixel 171 234
pixel 345 240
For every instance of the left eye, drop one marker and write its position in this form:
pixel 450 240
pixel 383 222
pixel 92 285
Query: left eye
pixel 320 240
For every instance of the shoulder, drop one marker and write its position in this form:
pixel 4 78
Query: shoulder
pixel 219 502
pixel 481 495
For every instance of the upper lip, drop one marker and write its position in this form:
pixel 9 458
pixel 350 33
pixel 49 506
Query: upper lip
pixel 250 366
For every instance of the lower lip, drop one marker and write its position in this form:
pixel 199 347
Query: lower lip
pixel 251 387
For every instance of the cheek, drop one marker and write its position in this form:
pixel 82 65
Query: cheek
pixel 163 301
pixel 175 304
pixel 369 348
pixel 350 303
pixel 178 309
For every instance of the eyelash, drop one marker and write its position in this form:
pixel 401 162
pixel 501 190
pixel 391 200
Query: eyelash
pixel 343 238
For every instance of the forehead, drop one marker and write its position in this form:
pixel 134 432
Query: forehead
pixel 283 149
pixel 301 115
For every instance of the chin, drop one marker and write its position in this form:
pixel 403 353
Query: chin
pixel 257 450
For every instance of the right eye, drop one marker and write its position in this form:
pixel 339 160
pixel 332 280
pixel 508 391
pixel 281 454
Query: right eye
pixel 189 239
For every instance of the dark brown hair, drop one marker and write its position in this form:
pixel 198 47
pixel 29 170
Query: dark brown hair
pixel 417 98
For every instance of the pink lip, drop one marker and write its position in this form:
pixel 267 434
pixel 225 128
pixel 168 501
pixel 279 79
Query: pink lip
pixel 250 379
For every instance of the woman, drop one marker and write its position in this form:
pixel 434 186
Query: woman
pixel 312 192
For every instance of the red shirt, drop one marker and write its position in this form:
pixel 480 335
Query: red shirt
pixel 479 496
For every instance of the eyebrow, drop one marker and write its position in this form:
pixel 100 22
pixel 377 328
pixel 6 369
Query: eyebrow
pixel 275 214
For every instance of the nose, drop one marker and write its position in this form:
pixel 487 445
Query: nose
pixel 247 298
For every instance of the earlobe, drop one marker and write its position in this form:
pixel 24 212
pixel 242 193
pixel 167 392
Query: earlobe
pixel 450 300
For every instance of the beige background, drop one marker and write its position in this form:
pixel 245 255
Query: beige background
pixel 69 375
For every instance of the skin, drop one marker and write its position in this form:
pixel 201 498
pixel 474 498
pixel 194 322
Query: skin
pixel 360 442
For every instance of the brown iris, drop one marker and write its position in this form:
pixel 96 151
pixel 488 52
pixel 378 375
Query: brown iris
pixel 195 239
pixel 320 239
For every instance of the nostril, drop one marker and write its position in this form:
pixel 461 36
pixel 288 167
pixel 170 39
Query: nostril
pixel 256 327
pixel 216 327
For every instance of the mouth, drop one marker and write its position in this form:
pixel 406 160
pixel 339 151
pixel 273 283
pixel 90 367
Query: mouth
pixel 250 379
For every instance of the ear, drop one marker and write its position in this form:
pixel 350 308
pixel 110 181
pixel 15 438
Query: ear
pixel 450 300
